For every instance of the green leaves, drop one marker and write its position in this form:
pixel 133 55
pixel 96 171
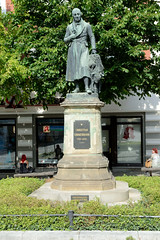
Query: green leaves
pixel 33 55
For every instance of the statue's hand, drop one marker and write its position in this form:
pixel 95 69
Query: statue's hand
pixel 72 36
pixel 94 51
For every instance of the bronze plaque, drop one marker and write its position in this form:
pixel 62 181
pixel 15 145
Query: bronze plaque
pixel 80 198
pixel 82 134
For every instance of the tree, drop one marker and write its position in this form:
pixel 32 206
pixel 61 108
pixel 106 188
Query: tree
pixel 34 54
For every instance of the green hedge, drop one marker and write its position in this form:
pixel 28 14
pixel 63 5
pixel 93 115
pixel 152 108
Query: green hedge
pixel 14 200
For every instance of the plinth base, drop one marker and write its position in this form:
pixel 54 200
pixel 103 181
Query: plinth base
pixel 83 173
pixel 122 194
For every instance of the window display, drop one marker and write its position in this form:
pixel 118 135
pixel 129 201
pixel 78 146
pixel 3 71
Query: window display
pixel 129 142
pixel 7 144
pixel 50 138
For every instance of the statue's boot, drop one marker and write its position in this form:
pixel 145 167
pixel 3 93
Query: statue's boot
pixel 76 90
pixel 86 83
pixel 88 90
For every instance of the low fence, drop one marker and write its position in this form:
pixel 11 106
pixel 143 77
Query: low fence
pixel 71 215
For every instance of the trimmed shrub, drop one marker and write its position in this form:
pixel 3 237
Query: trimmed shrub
pixel 14 200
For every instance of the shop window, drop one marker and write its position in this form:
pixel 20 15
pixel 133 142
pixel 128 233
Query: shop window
pixel 105 140
pixel 7 144
pixel 105 122
pixel 50 133
pixel 129 144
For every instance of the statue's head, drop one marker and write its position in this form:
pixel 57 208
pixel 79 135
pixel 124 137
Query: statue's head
pixel 76 13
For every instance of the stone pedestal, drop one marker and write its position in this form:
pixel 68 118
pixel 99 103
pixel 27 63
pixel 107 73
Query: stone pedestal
pixel 83 167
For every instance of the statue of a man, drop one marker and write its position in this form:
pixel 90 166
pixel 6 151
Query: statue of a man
pixel 77 35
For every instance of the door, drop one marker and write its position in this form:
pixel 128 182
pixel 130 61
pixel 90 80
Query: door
pixel 129 141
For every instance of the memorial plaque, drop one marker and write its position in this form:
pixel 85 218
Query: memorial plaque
pixel 82 134
pixel 80 198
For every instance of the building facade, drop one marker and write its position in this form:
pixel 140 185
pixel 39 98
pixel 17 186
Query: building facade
pixel 129 132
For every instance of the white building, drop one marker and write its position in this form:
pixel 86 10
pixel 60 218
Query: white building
pixel 129 132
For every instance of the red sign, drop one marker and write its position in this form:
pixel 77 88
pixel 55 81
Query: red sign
pixel 46 129
pixel 129 133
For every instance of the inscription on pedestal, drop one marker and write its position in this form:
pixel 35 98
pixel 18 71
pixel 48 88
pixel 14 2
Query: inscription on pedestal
pixel 82 134
pixel 80 198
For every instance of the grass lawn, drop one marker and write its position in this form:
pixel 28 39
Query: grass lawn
pixel 14 200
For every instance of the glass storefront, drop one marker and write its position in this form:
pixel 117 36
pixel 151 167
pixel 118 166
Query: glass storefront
pixel 129 147
pixel 105 140
pixel 7 143
pixel 50 134
pixel 105 123
pixel 121 139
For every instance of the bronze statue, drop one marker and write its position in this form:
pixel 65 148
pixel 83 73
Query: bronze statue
pixel 77 35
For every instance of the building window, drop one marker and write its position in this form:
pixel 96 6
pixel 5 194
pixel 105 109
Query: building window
pixel 7 143
pixel 129 141
pixel 50 133
pixel 105 123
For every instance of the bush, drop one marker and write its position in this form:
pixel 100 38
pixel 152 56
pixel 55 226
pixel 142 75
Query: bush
pixel 14 200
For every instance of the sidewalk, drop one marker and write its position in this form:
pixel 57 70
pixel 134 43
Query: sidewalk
pixel 130 171
pixel 117 171
pixel 79 235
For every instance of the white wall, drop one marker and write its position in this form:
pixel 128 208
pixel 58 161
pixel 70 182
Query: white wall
pixel 3 5
pixel 133 104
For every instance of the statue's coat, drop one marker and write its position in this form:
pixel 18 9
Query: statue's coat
pixel 78 53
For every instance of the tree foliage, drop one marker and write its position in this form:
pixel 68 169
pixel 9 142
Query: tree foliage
pixel 33 54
